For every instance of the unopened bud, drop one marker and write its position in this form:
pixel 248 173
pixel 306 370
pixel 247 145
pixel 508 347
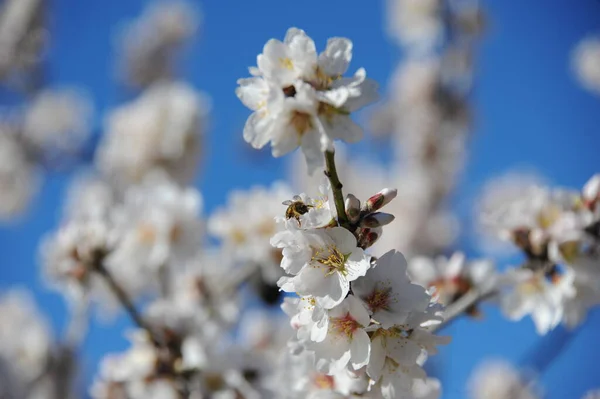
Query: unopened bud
pixel 352 208
pixel 377 219
pixel 367 237
pixel 380 199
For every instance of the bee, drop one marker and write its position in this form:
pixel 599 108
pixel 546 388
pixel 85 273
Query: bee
pixel 296 208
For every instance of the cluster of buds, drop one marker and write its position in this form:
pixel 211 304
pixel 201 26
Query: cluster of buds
pixel 366 220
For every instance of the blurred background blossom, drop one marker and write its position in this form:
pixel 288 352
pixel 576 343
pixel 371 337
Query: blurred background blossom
pixel 135 103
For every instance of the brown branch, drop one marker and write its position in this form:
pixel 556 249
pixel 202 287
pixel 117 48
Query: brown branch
pixel 461 305
pixel 336 187
pixel 125 301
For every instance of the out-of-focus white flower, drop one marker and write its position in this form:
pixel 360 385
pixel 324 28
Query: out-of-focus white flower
pixel 199 298
pixel 494 195
pixel 591 192
pixel 541 296
pixel 534 208
pixel 452 277
pixel 387 291
pixel 397 353
pixel 149 42
pixel 24 336
pixel 158 225
pixel 415 23
pixel 18 177
pixel 247 223
pixel 89 198
pixel 24 37
pixel 323 262
pixel 430 388
pixel 499 380
pixel 586 63
pixel 134 374
pixel 595 394
pixel 346 341
pixel 68 258
pixel 58 120
pixel 159 130
pixel 300 99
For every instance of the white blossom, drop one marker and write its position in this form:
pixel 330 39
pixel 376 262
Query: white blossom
pixel 397 353
pixel 586 63
pixel 68 258
pixel 300 99
pixel 158 225
pixel 131 372
pixel 158 130
pixel 323 263
pixel 246 224
pixel 25 341
pixel 594 394
pixel 499 380
pixel 312 212
pixel 148 43
pixel 387 291
pixel 541 296
pixel 58 120
pixel 346 341
pixel 415 23
pixel 452 277
pixel 18 177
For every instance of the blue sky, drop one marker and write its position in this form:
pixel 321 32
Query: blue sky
pixel 529 112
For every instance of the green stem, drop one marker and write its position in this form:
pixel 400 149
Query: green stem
pixel 336 187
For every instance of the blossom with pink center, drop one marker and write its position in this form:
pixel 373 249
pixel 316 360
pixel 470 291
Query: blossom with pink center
pixel 388 292
pixel 323 262
pixel 345 340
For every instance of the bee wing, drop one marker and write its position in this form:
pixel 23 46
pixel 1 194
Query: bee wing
pixel 297 198
pixel 287 202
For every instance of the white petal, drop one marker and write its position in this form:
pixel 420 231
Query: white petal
pixel 337 55
pixel 360 347
pixel 357 310
pixel 257 130
pixel 377 358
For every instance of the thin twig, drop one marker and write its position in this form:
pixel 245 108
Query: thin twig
pixel 125 301
pixel 336 187
pixel 240 277
pixel 465 302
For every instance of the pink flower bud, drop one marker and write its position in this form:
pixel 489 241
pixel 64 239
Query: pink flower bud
pixel 352 208
pixel 380 199
pixel 377 219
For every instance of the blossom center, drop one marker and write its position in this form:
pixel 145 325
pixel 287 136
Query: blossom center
pixel 345 325
pixel 324 381
pixel 301 121
pixel 147 233
pixel 286 63
pixel 333 259
pixel 548 216
pixel 328 111
pixel 532 286
pixel 379 299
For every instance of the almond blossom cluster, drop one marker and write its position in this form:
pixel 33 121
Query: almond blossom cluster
pixel 47 133
pixel 557 232
pixel 356 317
pixel 366 284
pixel 359 320
pixel 301 99
pixel 43 128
